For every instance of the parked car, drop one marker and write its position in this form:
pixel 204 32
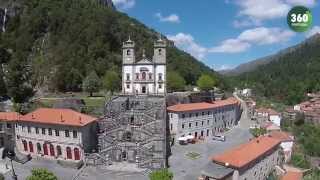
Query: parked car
pixel 219 138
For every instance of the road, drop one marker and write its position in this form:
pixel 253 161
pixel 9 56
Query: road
pixel 244 122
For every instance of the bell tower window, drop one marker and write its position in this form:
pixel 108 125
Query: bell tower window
pixel 160 51
pixel 143 75
pixel 128 77
pixel 160 76
pixel 128 52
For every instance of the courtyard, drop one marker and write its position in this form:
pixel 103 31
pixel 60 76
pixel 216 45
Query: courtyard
pixel 187 161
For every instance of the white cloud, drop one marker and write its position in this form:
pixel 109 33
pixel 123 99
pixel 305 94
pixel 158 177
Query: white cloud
pixel 187 43
pixel 173 18
pixel 308 3
pixel 124 4
pixel 263 35
pixel 263 9
pixel 231 46
pixel 313 31
pixel 255 36
pixel 223 67
pixel 256 11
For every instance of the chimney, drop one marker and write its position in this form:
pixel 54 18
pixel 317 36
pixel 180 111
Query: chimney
pixel 32 116
pixel 61 117
pixel 258 141
pixel 80 120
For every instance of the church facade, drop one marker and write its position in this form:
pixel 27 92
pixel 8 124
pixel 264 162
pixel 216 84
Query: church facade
pixel 133 129
pixel 144 76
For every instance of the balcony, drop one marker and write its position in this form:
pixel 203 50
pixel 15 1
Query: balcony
pixel 144 80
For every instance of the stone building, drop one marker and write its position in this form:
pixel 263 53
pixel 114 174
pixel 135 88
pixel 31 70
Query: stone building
pixel 133 130
pixel 255 159
pixel 58 134
pixel 7 133
pixel 202 120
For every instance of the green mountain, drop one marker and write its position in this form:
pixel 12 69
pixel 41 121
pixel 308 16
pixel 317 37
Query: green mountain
pixel 56 44
pixel 288 75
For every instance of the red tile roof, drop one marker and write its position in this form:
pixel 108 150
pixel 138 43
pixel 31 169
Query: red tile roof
pixel 202 105
pixel 9 116
pixel 242 155
pixel 292 175
pixel 58 117
pixel 282 136
pixel 269 111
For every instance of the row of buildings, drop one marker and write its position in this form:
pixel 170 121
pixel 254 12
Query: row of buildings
pixel 204 119
pixel 256 159
pixel 60 134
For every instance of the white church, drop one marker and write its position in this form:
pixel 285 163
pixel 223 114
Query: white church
pixel 145 76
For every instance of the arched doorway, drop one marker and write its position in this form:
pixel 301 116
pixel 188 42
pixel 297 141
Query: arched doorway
pixel 59 152
pixel 124 155
pixel 76 154
pixel 69 153
pixel 51 150
pixel 143 89
pixel 38 148
pixel 25 145
pixel 45 149
pixel 30 146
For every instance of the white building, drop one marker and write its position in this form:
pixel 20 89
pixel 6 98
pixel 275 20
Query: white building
pixel 7 122
pixel 267 114
pixel 287 141
pixel 144 76
pixel 253 160
pixel 203 119
pixel 61 134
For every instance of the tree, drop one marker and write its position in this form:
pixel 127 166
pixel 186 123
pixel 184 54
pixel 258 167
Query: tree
pixel 41 174
pixel 175 81
pixel 206 82
pixel 163 174
pixel 3 88
pixel 19 86
pixel 111 81
pixel 91 83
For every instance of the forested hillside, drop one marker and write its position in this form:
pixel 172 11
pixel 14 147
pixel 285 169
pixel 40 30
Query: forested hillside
pixel 288 77
pixel 54 45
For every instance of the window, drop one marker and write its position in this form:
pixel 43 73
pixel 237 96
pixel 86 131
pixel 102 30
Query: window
pixel 197 114
pixel 183 115
pixel 75 134
pixel 29 129
pixel 143 75
pixel 43 131
pixel 37 130
pixel 160 86
pixel 202 113
pixel 30 146
pixel 128 77
pixel 182 126
pixel 76 154
pixel 1 129
pixel 50 131
pixel 9 126
pixel 171 126
pixel 189 125
pixel 171 115
pixel 128 52
pixel 160 76
pixel 67 133
pixel 190 115
pixel 196 124
pixel 208 122
pixel 23 129
pixel 38 148
pixel 150 76
pixel 69 153
pixel 201 123
pixel 137 76
pixel 160 51
pixel 128 86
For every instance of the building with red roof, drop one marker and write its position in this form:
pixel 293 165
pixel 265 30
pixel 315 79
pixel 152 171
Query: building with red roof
pixel 255 159
pixel 287 141
pixel 61 134
pixel 203 120
pixel 7 134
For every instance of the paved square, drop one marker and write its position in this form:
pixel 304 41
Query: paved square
pixel 186 168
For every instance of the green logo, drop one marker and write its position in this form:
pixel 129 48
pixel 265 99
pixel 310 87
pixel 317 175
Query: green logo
pixel 299 19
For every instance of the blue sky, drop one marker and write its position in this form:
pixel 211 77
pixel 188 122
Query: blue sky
pixel 223 33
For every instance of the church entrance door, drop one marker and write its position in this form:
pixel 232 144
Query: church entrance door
pixel 143 89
